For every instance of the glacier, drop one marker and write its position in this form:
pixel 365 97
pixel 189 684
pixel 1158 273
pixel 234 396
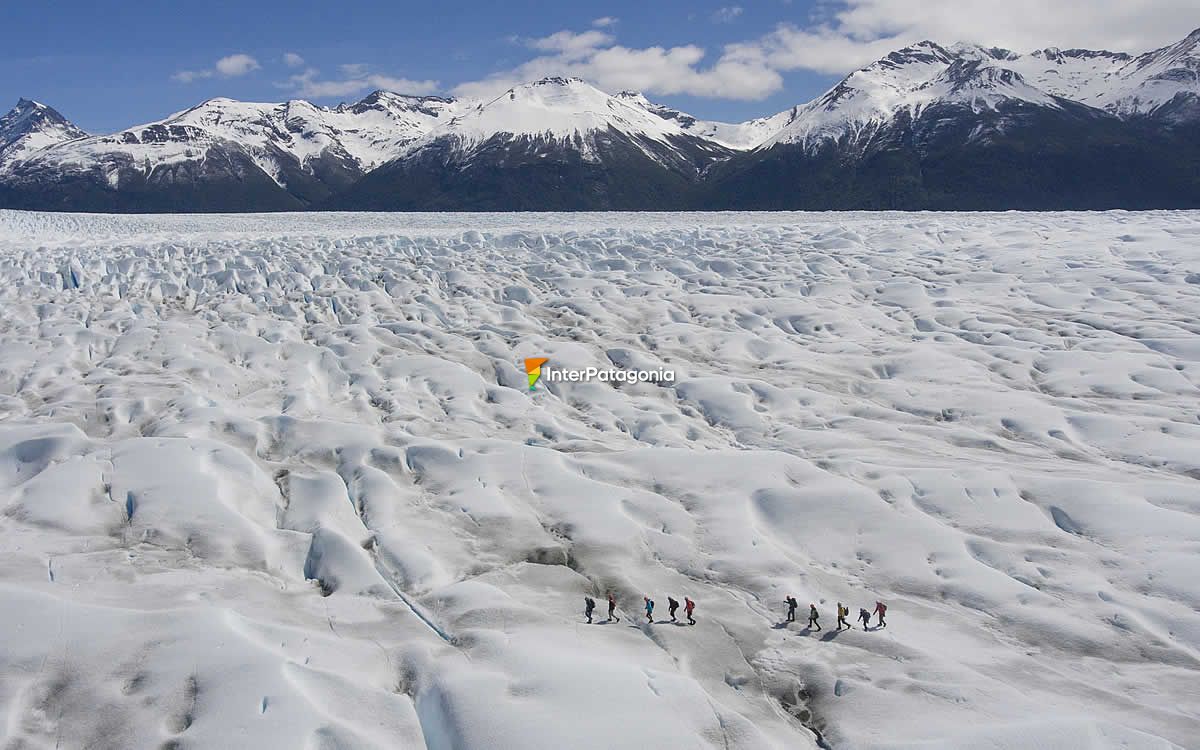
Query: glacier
pixel 278 481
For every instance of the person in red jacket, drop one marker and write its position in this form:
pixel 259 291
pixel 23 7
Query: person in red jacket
pixel 689 606
pixel 880 611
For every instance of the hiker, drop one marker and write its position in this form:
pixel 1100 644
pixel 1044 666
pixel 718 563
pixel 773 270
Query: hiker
pixel 689 606
pixel 791 604
pixel 672 605
pixel 649 608
pixel 813 616
pixel 880 611
pixel 612 607
pixel 589 606
pixel 865 616
pixel 843 613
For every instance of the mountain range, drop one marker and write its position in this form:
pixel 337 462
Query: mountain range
pixel 926 127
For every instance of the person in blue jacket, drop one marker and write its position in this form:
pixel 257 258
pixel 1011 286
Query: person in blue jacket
pixel 649 608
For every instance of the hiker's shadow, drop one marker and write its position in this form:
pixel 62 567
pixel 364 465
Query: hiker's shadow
pixel 830 636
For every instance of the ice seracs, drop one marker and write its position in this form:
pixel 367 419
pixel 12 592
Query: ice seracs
pixel 280 479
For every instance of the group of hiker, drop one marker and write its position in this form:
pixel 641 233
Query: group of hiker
pixel 689 607
pixel 842 613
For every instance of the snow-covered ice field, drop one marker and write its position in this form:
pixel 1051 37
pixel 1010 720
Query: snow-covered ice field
pixel 278 482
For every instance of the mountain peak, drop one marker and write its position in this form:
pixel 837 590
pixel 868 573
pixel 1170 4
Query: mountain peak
pixel 32 126
pixel 557 81
pixel 30 116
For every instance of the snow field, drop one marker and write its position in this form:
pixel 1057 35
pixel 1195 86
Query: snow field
pixel 277 481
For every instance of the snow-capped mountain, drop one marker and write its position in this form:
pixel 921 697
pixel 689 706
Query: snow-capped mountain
pixel 739 136
pixel 909 82
pixel 31 127
pixel 558 142
pixel 929 125
pixel 1164 83
pixel 285 155
pixel 925 75
pixel 965 126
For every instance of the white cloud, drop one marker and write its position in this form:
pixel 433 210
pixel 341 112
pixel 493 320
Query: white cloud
pixel 1022 24
pixel 292 60
pixel 604 22
pixel 854 33
pixel 356 79
pixel 571 45
pixel 842 35
pixel 595 56
pixel 236 65
pixel 727 14
pixel 231 66
pixel 187 76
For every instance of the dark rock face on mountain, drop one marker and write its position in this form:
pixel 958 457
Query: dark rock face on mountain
pixel 523 173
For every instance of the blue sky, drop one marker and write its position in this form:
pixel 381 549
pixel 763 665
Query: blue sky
pixel 108 65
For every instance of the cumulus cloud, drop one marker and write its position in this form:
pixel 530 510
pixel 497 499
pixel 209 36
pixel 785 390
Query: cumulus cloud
pixel 853 33
pixel 236 65
pixel 355 79
pixel 1022 24
pixel 604 22
pixel 228 67
pixel 292 60
pixel 570 45
pixel 595 56
pixel 841 36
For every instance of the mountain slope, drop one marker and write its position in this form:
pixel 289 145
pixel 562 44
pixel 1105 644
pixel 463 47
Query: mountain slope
pixel 555 144
pixel 30 127
pixel 225 155
pixel 1162 84
pixel 738 136
pixel 962 127
pixel 958 126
